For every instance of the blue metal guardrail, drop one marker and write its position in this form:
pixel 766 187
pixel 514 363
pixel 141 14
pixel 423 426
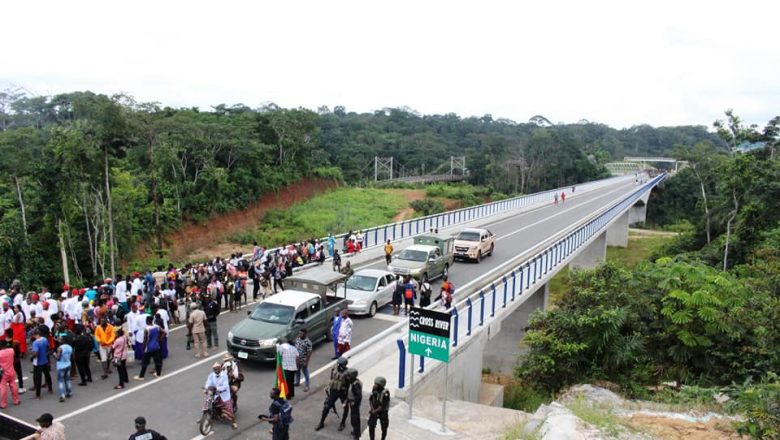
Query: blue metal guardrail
pixel 523 277
pixel 378 235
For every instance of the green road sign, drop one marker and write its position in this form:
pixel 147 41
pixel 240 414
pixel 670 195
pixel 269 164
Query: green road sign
pixel 429 334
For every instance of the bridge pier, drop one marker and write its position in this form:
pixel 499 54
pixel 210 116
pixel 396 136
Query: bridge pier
pixel 502 350
pixel 617 233
pixel 638 213
pixel 593 255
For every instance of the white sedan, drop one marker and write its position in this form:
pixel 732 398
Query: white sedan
pixel 368 290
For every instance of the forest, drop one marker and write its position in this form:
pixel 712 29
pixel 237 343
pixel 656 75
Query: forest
pixel 85 178
pixel 703 314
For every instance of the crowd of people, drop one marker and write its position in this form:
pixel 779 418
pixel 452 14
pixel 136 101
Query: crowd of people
pixel 117 321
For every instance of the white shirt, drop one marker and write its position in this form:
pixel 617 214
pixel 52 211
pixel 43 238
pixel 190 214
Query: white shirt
pixel 137 288
pixel 345 331
pixel 37 308
pixel 75 309
pixel 170 293
pixel 132 324
pixel 140 325
pixel 221 383
pixel 54 307
pixel 120 291
pixel 67 308
pixel 289 357
pixel 18 299
pixel 46 315
pixel 26 309
pixel 6 318
pixel 164 316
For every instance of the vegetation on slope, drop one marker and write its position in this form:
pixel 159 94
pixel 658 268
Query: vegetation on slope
pixel 702 312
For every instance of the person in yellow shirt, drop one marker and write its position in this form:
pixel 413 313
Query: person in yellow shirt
pixel 104 333
pixel 388 252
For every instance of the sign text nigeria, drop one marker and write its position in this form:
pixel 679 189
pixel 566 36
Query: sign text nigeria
pixel 431 341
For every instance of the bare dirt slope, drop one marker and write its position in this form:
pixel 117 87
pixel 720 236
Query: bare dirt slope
pixel 196 242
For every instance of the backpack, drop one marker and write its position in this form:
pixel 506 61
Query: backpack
pixel 408 293
pixel 285 412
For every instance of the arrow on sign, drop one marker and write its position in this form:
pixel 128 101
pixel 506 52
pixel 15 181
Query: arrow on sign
pixel 428 351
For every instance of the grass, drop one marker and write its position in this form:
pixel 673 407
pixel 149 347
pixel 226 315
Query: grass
pixel 523 397
pixel 640 248
pixel 336 211
pixel 689 397
pixel 516 432
pixel 601 418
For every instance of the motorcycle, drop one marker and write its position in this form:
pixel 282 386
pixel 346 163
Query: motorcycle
pixel 211 413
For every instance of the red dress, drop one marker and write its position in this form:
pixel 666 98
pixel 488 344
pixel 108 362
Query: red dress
pixel 19 335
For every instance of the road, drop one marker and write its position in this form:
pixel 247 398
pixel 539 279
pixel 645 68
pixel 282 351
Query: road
pixel 172 403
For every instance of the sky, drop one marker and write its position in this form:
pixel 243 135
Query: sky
pixel 621 63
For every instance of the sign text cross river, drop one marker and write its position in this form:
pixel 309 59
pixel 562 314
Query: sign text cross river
pixel 429 334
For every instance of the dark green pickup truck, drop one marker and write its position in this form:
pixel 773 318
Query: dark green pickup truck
pixel 309 301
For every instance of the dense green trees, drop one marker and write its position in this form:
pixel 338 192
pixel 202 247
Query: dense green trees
pixel 705 312
pixel 88 177
pixel 85 178
pixel 508 156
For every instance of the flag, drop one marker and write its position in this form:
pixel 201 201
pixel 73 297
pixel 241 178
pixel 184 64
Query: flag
pixel 280 382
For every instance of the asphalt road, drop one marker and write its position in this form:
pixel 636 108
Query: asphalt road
pixel 173 402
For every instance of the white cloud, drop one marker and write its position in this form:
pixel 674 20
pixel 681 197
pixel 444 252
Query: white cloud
pixel 614 62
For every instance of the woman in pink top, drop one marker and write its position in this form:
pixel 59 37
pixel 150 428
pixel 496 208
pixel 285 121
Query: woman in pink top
pixel 9 375
pixel 120 358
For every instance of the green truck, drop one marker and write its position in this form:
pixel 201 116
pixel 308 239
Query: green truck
pixel 309 301
pixel 430 257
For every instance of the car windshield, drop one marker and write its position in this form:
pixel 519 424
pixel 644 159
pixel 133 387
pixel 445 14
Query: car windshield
pixel 468 236
pixel 412 255
pixel 361 282
pixel 273 313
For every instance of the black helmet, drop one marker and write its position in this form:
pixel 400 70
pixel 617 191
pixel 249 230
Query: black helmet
pixel 381 381
pixel 342 361
pixel 352 374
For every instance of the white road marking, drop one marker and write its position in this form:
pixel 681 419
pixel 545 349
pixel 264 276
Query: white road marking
pixel 149 382
pixel 326 367
pixel 390 318
pixel 21 422
pixel 173 329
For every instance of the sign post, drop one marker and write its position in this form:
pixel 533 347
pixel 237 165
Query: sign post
pixel 429 336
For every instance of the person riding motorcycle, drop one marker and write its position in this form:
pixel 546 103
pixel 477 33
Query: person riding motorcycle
pixel 235 378
pixel 218 384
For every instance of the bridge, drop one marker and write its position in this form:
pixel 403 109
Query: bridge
pixel 388 171
pixel 536 239
pixel 638 164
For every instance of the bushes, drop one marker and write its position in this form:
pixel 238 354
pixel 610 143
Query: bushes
pixel 427 206
pixel 760 406
pixel 469 195
pixel 669 320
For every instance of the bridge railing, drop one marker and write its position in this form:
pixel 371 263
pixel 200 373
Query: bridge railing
pixel 523 279
pixel 378 235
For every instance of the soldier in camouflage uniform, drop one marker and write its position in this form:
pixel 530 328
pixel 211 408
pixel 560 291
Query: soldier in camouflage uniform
pixel 378 406
pixel 352 405
pixel 337 390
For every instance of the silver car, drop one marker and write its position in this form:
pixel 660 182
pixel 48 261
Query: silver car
pixel 368 290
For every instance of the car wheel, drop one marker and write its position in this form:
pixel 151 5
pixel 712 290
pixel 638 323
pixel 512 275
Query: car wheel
pixel 479 256
pixel 446 271
pixel 491 249
pixel 372 310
